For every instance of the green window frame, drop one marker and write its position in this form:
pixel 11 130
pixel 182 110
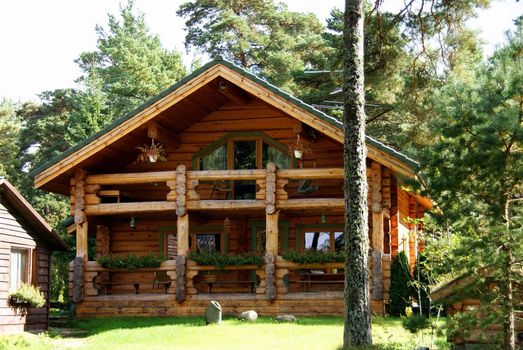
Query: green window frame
pixel 302 229
pixel 283 235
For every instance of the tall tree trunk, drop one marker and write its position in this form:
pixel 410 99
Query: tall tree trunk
pixel 509 320
pixel 357 327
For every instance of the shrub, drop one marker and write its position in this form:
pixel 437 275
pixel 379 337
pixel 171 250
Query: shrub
pixel 399 285
pixel 221 260
pixel 313 257
pixel 27 294
pixel 130 262
pixel 415 322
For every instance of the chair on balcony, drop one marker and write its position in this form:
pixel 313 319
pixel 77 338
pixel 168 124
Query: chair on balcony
pixel 304 186
pixel 221 186
pixel 161 279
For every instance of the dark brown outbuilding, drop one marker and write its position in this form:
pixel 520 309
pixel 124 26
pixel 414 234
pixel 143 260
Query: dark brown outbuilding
pixel 26 243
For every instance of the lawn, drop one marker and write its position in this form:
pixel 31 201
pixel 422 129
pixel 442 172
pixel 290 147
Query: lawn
pixel 192 334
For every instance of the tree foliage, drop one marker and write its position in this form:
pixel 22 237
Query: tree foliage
pixel 475 172
pixel 260 35
pixel 129 65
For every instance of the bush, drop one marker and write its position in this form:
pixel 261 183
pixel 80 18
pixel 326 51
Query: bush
pixel 399 285
pixel 130 262
pixel 221 260
pixel 313 257
pixel 27 294
pixel 415 322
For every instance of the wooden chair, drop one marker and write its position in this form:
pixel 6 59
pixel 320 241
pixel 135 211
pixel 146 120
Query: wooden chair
pixel 221 186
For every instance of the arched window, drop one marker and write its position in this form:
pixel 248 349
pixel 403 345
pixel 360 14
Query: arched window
pixel 242 150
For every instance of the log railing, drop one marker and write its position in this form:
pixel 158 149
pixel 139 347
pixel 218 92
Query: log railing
pixel 280 199
pixel 193 270
pixel 93 269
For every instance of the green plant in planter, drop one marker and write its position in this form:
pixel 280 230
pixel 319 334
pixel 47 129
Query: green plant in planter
pixel 221 260
pixel 130 261
pixel 27 294
pixel 313 257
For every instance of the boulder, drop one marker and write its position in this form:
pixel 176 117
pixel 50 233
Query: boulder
pixel 286 318
pixel 213 313
pixel 250 315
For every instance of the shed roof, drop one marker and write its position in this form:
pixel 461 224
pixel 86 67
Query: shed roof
pixel 39 225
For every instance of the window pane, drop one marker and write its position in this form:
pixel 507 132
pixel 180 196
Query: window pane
pixel 338 242
pixel 216 160
pixel 18 268
pixel 317 241
pixel 208 242
pixel 245 154
pixel 271 154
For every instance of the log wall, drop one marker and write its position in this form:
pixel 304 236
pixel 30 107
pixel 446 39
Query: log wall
pixel 14 233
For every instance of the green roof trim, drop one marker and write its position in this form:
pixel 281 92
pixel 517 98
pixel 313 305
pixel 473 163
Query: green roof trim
pixel 245 73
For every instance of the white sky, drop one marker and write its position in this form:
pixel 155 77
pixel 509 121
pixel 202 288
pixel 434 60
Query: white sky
pixel 40 39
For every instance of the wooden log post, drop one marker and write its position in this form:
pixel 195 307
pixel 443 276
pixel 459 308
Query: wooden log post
pixel 78 279
pixel 80 218
pixel 182 232
pixel 271 232
pixel 377 231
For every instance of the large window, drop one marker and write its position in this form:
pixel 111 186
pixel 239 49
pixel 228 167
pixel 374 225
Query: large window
pixel 19 268
pixel 321 237
pixel 251 150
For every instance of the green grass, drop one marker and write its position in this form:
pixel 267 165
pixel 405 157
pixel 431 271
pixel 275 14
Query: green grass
pixel 192 333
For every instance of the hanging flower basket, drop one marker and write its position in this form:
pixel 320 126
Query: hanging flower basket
pixel 151 153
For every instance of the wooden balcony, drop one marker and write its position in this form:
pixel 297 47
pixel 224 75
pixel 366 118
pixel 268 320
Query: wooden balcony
pixel 189 190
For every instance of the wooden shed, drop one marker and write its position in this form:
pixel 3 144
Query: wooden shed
pixel 459 297
pixel 246 168
pixel 26 243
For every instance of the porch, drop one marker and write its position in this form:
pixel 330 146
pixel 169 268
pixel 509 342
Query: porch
pixel 279 218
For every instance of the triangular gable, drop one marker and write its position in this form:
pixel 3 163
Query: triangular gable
pixel 247 81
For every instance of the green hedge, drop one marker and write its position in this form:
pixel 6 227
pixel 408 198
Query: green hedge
pixel 313 257
pixel 130 261
pixel 221 260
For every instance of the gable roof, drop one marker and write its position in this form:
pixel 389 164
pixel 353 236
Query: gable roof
pixel 246 80
pixel 39 225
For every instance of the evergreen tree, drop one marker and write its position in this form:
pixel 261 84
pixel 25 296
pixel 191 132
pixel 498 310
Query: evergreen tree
pixel 475 173
pixel 259 35
pixel 10 126
pixel 129 65
pixel 399 285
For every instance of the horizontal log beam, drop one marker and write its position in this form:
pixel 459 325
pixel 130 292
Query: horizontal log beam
pixel 129 208
pixel 310 174
pixel 213 175
pixel 311 203
pixel 226 204
pixel 131 178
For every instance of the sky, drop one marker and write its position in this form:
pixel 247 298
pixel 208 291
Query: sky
pixel 40 39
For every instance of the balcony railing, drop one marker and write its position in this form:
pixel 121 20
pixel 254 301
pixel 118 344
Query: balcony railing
pixel 190 190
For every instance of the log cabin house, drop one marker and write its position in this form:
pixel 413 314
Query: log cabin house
pixel 230 182
pixel 26 243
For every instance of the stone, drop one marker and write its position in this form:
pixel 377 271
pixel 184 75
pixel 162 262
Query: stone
pixel 286 318
pixel 250 315
pixel 213 313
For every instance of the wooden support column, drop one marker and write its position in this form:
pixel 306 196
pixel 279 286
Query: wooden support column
pixel 182 231
pixel 271 232
pixel 377 231
pixel 80 218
